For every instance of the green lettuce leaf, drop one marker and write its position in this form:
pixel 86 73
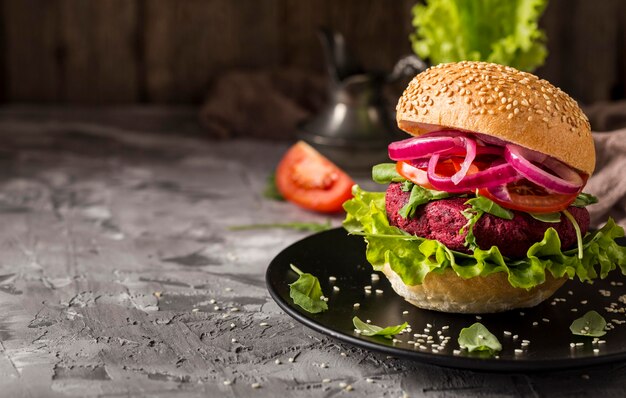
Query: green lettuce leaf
pixel 418 197
pixel 584 199
pixel 384 173
pixel 504 32
pixel 367 329
pixel 478 338
pixel 547 217
pixel 306 292
pixel 591 324
pixel 482 203
pixel 412 257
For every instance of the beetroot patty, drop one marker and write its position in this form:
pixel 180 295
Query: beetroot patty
pixel 442 219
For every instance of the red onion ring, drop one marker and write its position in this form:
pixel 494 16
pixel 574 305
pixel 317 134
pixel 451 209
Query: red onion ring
pixel 417 147
pixel 480 150
pixel 470 155
pixel 566 181
pixel 499 174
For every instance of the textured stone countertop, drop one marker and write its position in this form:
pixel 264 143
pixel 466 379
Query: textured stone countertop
pixel 119 274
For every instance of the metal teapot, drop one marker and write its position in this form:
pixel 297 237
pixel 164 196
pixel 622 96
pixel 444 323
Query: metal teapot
pixel 354 129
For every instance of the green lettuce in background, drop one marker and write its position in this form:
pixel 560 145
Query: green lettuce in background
pixel 412 257
pixel 501 31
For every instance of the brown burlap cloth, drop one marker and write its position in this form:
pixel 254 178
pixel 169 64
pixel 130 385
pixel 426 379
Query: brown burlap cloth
pixel 608 182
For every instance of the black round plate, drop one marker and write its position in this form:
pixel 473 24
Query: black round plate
pixel 335 253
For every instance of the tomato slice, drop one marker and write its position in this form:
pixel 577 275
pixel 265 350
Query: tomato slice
pixel 308 179
pixel 445 168
pixel 528 197
pixel 413 174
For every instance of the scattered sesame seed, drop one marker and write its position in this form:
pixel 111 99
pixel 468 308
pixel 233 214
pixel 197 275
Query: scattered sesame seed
pixel 515 337
pixel 349 387
pixel 445 327
pixel 229 289
pixel 233 340
pixel 405 312
pixel 518 351
pixel 255 385
pixel 325 380
pixel 456 352
pixel 212 301
pixel 379 291
pixel 545 320
pixel 343 384
pixel 263 324
pixel 291 359
pixel 232 325
pixel 323 365
pixel 234 309
pixel 227 382
pixel 586 377
pixel 574 310
pixel 601 341
pixel 356 305
pixel 375 277
pixel 369 380
pixel 580 344
pixel 216 308
pixel 368 321
pixel 332 278
pixel 583 302
pixel 277 362
pixel 572 345
pixel 507 333
pixel 335 288
pixel 195 310
pixel 479 317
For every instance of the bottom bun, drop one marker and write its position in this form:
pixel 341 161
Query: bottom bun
pixel 447 292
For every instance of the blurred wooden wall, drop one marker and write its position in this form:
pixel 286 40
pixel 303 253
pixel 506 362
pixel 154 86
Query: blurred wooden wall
pixel 168 51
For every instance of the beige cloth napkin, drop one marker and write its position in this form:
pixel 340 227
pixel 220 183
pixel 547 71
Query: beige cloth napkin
pixel 608 182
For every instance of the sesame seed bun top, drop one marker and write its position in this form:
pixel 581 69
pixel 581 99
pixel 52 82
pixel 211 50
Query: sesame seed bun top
pixel 502 102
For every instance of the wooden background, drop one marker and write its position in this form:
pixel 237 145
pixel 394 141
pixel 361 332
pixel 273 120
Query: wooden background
pixel 169 51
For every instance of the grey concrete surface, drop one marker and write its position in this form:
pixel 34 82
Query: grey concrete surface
pixel 119 277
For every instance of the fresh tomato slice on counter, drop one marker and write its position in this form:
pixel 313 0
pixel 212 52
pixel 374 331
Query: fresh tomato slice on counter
pixel 526 196
pixel 308 179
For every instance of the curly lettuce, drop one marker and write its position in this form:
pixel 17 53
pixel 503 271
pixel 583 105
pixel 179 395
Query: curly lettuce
pixel 413 257
pixel 504 32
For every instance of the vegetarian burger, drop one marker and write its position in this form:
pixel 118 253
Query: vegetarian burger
pixel 484 211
